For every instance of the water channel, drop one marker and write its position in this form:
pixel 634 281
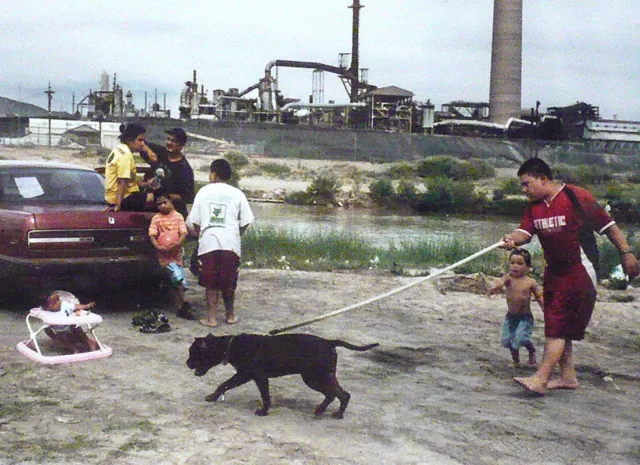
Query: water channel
pixel 383 227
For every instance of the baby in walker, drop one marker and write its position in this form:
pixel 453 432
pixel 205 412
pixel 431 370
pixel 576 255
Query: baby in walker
pixel 70 337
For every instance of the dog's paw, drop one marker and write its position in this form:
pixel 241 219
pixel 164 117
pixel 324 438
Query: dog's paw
pixel 214 397
pixel 261 412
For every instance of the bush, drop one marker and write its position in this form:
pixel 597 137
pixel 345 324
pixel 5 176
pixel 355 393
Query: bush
pixel 237 160
pixel 381 190
pixel 447 194
pixel 401 170
pixel 407 192
pixel 324 188
pixel 274 169
pixel 452 168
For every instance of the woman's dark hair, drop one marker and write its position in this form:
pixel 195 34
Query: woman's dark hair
pixel 222 168
pixel 522 253
pixel 535 167
pixel 129 132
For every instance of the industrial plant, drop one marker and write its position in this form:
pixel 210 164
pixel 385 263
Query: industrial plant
pixel 369 106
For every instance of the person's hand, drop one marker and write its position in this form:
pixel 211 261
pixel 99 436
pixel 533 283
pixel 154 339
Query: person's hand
pixel 630 266
pixel 508 243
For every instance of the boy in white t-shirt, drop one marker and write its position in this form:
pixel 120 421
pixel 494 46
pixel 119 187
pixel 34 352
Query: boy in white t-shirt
pixel 219 216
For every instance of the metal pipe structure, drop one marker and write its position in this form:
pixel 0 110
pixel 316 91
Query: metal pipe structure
pixel 505 89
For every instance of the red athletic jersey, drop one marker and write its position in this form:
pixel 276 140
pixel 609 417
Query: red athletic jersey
pixel 557 223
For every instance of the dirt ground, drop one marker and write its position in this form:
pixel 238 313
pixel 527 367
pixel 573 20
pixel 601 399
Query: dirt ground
pixel 438 390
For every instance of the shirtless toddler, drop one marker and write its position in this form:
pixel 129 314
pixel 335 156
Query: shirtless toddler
pixel 518 324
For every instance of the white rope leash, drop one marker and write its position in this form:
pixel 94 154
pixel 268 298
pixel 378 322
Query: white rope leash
pixel 390 293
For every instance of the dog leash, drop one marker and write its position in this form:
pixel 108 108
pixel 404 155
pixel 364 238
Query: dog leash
pixel 390 293
pixel 225 360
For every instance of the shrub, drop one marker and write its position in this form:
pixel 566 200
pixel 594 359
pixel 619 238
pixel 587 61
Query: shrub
pixel 381 190
pixel 456 169
pixel 274 169
pixel 401 170
pixel 324 188
pixel 447 194
pixel 407 192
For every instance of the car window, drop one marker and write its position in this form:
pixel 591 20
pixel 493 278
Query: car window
pixel 50 185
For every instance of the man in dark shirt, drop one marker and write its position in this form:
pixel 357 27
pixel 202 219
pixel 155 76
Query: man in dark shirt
pixel 177 176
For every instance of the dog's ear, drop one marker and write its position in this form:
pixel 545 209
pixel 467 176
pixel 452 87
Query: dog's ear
pixel 200 342
pixel 209 339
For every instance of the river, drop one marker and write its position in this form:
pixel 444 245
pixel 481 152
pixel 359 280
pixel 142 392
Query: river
pixel 382 227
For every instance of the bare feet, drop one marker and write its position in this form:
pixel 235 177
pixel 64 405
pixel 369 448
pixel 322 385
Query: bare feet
pixel 532 359
pixel 533 385
pixel 560 383
pixel 207 322
pixel 231 319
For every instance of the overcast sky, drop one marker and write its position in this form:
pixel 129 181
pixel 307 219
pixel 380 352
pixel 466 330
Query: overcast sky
pixel 573 50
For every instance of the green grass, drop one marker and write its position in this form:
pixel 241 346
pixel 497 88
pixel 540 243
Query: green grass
pixel 267 247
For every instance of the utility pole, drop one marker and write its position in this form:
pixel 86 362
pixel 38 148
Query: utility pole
pixel 49 93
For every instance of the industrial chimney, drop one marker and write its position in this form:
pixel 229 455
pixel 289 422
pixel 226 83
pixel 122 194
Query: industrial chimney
pixel 505 88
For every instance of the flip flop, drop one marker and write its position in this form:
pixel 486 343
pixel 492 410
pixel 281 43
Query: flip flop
pixel 206 322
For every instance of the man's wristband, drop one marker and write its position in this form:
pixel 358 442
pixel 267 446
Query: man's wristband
pixel 625 252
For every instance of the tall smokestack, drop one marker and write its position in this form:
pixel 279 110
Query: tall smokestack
pixel 355 60
pixel 505 89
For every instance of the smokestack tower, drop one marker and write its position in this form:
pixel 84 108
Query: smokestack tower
pixel 355 53
pixel 505 88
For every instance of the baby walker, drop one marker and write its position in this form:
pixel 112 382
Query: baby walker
pixel 31 348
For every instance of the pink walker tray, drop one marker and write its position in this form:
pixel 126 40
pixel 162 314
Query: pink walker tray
pixel 90 320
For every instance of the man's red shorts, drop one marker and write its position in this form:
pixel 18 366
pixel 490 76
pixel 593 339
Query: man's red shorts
pixel 219 270
pixel 569 299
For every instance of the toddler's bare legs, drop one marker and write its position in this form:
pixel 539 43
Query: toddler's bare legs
pixel 532 353
pixel 515 358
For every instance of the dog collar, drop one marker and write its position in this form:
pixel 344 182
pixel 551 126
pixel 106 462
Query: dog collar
pixel 225 360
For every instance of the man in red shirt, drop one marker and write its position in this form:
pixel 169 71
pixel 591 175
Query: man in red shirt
pixel 569 278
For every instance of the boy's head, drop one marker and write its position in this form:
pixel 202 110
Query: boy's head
pixel 536 179
pixel 52 302
pixel 163 201
pixel 176 139
pixel 222 169
pixel 519 261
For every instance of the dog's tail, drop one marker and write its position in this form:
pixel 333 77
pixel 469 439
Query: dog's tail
pixel 340 343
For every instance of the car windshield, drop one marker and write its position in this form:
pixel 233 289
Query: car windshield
pixel 50 185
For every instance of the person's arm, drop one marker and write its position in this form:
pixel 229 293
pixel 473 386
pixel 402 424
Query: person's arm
pixel 629 261
pixel 87 306
pixel 122 187
pixel 496 288
pixel 515 239
pixel 536 290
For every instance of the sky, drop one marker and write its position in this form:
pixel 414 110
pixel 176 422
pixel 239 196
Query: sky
pixel 573 50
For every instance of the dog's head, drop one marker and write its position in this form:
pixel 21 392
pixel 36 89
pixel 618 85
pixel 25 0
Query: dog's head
pixel 205 353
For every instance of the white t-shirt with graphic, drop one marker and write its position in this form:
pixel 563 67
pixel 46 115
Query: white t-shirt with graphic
pixel 220 210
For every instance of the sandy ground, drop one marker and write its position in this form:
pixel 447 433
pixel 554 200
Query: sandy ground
pixel 438 390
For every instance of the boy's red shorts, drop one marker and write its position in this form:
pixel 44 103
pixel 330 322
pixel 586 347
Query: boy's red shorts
pixel 569 299
pixel 219 270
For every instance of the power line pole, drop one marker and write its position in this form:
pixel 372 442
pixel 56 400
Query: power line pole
pixel 49 93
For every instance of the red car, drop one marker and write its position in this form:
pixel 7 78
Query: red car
pixel 55 231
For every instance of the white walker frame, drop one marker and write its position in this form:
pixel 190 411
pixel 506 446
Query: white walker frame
pixel 91 320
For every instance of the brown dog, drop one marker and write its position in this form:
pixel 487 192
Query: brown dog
pixel 258 358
